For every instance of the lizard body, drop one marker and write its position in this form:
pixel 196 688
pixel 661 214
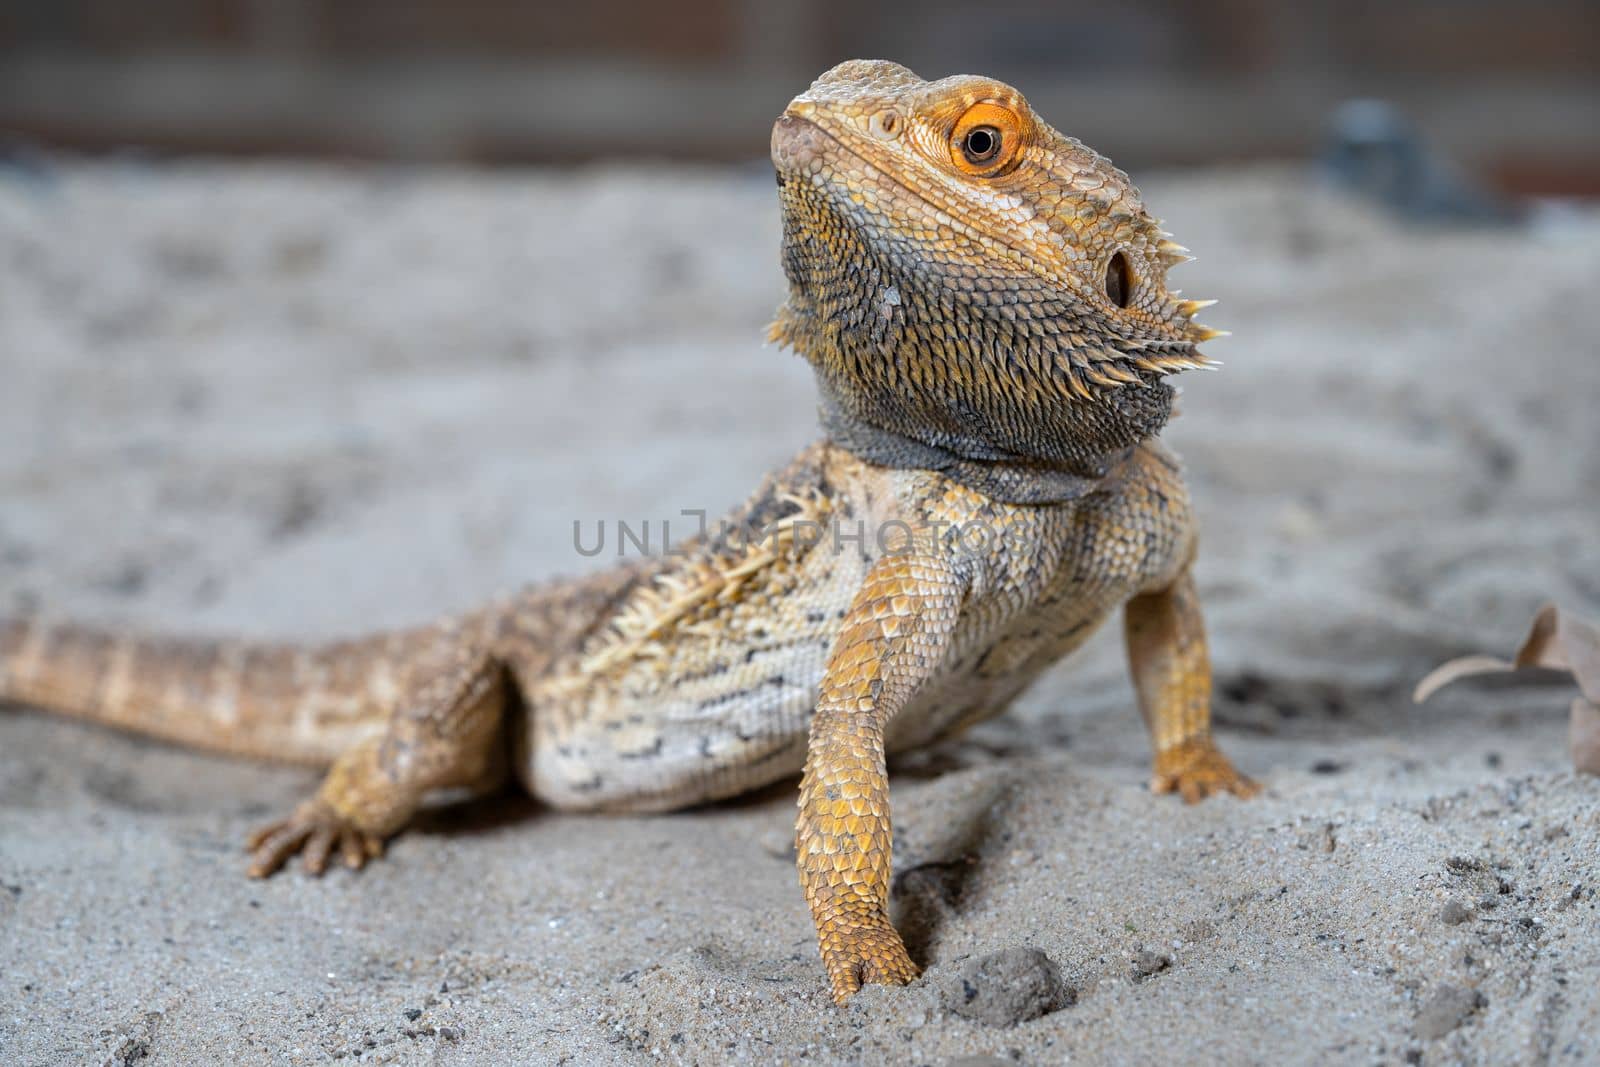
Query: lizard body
pixel 984 303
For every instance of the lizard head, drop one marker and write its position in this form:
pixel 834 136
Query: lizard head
pixel 964 277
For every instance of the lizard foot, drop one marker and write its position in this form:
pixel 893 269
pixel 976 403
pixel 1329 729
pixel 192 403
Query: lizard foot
pixel 865 955
pixel 1197 769
pixel 315 830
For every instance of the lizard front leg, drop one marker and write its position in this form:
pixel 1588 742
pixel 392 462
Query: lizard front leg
pixel 1171 667
pixel 446 732
pixel 892 639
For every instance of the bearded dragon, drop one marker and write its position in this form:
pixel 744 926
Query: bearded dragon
pixel 984 303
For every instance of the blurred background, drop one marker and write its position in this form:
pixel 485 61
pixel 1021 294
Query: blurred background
pixel 1509 90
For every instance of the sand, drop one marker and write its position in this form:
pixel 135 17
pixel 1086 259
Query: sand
pixel 296 401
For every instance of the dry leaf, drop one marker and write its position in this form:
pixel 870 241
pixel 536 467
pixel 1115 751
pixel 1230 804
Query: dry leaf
pixel 1463 667
pixel 1557 641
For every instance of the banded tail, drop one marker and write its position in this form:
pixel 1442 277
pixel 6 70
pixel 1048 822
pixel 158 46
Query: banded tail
pixel 265 701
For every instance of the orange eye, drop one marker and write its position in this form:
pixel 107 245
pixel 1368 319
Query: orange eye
pixel 986 140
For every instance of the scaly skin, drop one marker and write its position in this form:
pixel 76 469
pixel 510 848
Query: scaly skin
pixel 984 302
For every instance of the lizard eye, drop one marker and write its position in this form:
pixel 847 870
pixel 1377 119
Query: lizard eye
pixel 986 140
pixel 981 144
pixel 1119 280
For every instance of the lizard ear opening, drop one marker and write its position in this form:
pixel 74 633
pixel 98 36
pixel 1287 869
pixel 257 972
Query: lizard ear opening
pixel 1119 280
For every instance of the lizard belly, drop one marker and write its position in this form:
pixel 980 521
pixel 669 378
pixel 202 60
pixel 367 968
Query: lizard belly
pixel 700 680
pixel 981 681
pixel 738 728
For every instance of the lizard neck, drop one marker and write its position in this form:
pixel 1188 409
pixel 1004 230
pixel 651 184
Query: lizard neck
pixel 1010 479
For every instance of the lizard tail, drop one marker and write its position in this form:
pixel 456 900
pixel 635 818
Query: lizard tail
pixel 264 701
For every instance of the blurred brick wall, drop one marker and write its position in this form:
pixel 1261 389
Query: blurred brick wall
pixel 1508 87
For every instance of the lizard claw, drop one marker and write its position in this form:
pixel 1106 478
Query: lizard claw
pixel 857 956
pixel 1196 770
pixel 315 830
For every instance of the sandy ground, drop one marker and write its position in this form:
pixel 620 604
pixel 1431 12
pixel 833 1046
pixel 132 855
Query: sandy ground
pixel 297 402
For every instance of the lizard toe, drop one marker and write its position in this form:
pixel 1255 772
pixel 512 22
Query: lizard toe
pixel 867 957
pixel 316 832
pixel 272 845
pixel 357 847
pixel 1196 770
pixel 314 854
